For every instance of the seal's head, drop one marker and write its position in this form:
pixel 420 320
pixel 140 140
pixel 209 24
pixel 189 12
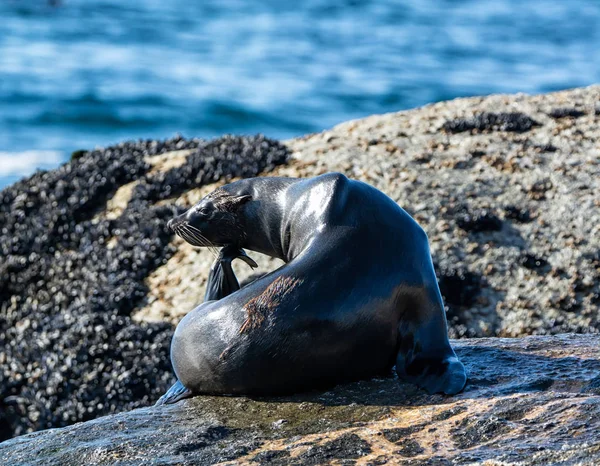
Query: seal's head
pixel 214 221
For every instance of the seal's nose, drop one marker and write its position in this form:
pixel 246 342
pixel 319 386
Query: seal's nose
pixel 171 224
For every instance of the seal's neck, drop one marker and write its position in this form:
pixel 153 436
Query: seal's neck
pixel 264 218
pixel 263 230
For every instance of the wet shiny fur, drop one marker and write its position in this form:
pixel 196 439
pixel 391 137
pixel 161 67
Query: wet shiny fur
pixel 356 296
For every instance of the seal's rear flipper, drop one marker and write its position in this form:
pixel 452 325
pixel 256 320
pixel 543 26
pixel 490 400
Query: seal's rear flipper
pixel 246 258
pixel 434 374
pixel 426 358
pixel 174 394
pixel 221 279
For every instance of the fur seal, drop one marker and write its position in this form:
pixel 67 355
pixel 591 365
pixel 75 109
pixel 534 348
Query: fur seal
pixel 357 293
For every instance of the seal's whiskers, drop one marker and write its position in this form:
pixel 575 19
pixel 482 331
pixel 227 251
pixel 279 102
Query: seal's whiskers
pixel 191 234
pixel 194 237
pixel 199 236
pixel 186 236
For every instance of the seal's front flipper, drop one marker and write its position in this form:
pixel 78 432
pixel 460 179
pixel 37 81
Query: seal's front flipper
pixel 426 359
pixel 174 394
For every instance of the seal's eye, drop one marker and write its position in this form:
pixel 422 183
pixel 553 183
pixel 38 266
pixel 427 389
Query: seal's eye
pixel 203 211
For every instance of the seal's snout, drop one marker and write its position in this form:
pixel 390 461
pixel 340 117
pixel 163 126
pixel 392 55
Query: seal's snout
pixel 174 223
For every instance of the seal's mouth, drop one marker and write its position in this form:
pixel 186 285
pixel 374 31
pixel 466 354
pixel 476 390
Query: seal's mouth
pixel 189 233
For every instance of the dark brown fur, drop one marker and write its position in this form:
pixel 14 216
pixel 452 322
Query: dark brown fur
pixel 224 201
pixel 258 308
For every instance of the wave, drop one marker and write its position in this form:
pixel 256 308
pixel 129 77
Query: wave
pixel 26 162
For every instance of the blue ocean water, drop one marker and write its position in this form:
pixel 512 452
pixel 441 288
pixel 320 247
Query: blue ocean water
pixel 80 73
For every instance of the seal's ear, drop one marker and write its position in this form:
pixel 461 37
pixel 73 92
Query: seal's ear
pixel 239 201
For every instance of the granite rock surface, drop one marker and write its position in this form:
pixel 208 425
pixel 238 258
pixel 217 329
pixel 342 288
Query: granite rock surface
pixel 529 401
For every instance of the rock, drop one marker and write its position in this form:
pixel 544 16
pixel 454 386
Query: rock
pixel 92 284
pixel 532 400
pixel 76 245
pixel 491 180
pixel 489 197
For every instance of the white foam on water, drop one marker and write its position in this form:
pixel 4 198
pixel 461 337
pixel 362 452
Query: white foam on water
pixel 26 162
